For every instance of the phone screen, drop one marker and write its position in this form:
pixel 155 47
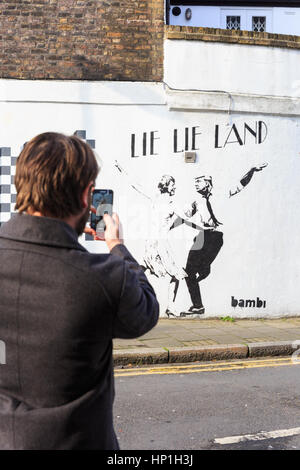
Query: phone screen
pixel 102 200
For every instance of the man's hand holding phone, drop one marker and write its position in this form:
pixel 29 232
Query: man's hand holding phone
pixel 112 230
pixel 104 224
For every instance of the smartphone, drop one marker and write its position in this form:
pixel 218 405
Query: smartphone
pixel 102 201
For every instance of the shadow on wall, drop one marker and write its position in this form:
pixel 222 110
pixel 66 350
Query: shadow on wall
pixel 81 67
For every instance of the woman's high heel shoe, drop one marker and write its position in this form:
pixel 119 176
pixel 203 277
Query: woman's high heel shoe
pixel 170 314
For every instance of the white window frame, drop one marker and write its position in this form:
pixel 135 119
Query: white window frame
pixel 246 15
pixel 232 12
pixel 268 13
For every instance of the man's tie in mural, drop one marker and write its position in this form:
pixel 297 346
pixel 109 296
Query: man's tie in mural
pixel 158 255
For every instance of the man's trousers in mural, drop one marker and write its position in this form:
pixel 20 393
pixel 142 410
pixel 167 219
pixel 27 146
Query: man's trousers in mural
pixel 206 247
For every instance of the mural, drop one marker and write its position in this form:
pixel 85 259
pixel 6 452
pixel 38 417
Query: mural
pixel 214 236
pixel 159 258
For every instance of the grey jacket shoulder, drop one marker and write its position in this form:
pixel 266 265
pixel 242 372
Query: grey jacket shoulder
pixel 122 281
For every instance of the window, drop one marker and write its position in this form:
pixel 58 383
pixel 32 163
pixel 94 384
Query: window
pixel 259 23
pixel 233 22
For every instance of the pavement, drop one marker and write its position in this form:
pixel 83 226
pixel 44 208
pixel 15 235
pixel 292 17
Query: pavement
pixel 188 340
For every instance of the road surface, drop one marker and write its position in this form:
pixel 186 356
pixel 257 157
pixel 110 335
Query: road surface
pixel 248 404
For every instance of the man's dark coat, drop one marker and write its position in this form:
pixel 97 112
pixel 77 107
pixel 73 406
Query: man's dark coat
pixel 60 308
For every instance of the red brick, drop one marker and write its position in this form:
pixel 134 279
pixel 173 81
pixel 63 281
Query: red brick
pixel 115 40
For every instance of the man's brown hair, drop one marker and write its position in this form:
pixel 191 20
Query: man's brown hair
pixel 52 172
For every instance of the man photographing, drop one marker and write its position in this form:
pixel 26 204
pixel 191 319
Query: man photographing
pixel 61 306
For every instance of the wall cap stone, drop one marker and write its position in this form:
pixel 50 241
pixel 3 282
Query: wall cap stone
pixel 193 33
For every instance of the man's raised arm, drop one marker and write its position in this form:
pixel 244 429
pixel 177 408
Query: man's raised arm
pixel 246 179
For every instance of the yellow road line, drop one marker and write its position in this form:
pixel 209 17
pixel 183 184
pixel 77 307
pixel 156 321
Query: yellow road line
pixel 218 363
pixel 193 368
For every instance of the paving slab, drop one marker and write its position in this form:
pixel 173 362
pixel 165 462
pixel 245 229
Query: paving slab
pixel 166 342
pixel 196 339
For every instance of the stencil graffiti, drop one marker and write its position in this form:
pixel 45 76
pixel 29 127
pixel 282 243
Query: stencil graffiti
pixel 159 258
pixel 189 138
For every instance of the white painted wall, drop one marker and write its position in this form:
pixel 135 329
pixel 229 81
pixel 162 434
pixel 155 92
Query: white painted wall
pixel 201 16
pixel 232 67
pixel 259 258
pixel 286 21
pixel 279 20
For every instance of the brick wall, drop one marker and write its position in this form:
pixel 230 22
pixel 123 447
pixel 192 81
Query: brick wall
pixel 82 40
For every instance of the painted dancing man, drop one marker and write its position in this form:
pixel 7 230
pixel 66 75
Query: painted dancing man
pixel 208 243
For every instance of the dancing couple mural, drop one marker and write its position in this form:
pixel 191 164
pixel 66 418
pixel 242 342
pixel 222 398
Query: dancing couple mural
pixel 159 258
